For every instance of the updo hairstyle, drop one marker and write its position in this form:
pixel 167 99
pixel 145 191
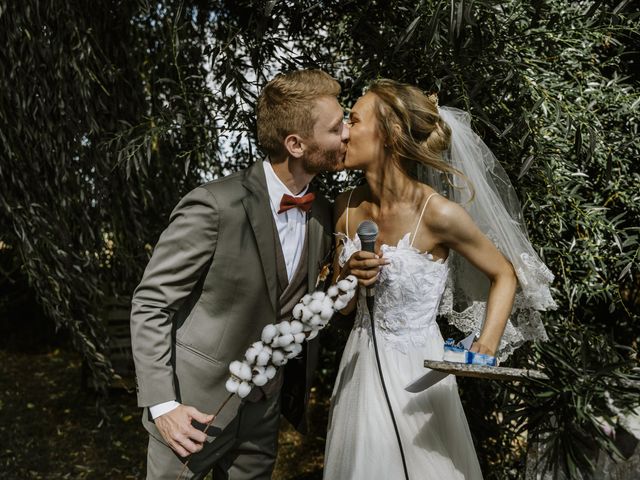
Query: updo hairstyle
pixel 411 127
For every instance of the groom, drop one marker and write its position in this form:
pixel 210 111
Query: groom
pixel 238 254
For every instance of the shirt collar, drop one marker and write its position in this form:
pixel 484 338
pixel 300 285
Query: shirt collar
pixel 276 187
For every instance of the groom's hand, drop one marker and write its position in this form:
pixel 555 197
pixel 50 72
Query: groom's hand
pixel 176 429
pixel 365 266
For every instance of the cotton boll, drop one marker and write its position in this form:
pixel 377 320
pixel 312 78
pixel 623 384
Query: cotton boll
pixel 259 376
pixel 285 340
pixel 232 385
pixel 268 332
pixel 333 291
pixel 278 358
pixel 327 312
pixel 352 281
pixel 244 389
pixel 339 304
pixel 235 367
pixel 282 341
pixel 264 356
pixel 299 337
pixel 316 321
pixel 284 327
pixel 290 347
pixel 344 285
pixel 315 306
pixel 306 315
pixel 270 371
pixel 319 295
pixel 306 299
pixel 297 311
pixel 251 354
pixel 260 380
pixel 293 350
pixel 263 359
pixel 296 327
pixel 345 297
pixel 245 372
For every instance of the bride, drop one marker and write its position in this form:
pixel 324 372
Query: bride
pixel 395 132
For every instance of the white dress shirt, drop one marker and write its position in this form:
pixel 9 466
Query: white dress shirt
pixel 291 226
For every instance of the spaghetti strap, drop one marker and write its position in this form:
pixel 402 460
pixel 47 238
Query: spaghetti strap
pixel 348 203
pixel 421 214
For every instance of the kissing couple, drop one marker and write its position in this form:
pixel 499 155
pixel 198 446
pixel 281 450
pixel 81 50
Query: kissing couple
pixel 241 251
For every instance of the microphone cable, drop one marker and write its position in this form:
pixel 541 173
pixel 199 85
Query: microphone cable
pixel 368 231
pixel 370 305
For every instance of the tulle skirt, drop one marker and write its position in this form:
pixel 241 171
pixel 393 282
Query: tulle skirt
pixel 361 440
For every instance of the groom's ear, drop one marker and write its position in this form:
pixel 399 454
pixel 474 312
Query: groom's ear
pixel 294 145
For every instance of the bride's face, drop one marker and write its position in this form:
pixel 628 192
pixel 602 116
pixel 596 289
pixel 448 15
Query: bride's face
pixel 366 146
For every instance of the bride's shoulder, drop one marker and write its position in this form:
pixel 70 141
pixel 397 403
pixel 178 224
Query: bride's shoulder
pixel 442 214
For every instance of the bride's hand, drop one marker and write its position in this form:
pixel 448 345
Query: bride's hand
pixel 479 347
pixel 365 266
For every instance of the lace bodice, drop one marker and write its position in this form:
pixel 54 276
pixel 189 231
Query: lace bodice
pixel 408 293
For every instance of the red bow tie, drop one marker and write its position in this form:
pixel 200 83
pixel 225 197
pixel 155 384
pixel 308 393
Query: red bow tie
pixel 303 203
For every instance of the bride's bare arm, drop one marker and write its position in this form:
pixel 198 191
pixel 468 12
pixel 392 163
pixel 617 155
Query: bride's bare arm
pixel 453 227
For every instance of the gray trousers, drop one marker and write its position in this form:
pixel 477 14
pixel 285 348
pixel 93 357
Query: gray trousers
pixel 246 449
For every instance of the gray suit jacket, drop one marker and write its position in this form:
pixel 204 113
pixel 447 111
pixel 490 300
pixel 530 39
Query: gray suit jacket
pixel 209 289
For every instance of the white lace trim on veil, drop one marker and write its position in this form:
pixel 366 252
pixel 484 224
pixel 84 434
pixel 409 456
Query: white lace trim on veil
pixel 496 211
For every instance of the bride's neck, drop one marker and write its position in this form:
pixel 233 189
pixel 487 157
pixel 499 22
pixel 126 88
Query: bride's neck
pixel 389 185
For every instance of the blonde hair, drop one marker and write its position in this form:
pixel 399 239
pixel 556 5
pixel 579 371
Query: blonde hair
pixel 422 136
pixel 286 104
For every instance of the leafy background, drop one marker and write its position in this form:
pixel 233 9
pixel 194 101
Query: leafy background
pixel 111 111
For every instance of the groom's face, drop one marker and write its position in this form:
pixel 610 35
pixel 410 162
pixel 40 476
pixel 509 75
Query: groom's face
pixel 326 149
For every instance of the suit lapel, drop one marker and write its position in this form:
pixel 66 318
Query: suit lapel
pixel 261 220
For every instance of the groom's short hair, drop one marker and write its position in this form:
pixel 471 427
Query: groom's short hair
pixel 286 104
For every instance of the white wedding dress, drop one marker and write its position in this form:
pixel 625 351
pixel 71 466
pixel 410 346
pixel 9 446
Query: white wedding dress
pixel 361 441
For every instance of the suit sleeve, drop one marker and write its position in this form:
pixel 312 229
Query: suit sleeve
pixel 178 261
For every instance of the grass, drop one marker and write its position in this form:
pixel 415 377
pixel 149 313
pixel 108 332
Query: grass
pixel 50 429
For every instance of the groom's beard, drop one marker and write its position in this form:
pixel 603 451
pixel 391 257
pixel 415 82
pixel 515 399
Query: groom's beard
pixel 318 160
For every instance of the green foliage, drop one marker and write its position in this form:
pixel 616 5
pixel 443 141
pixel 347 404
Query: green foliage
pixel 591 381
pixel 92 120
pixel 109 113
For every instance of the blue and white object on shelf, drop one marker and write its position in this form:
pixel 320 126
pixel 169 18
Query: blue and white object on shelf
pixel 454 353
pixel 458 353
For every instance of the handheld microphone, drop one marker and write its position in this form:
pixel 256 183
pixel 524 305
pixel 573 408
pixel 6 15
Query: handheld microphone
pixel 368 232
